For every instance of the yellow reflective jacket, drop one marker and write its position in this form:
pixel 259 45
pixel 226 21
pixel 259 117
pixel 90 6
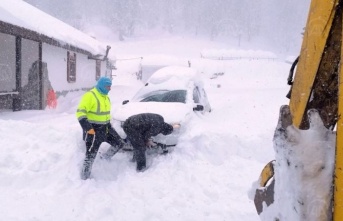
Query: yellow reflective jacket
pixel 95 107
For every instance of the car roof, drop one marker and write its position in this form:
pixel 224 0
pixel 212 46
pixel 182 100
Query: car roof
pixel 170 78
pixel 175 76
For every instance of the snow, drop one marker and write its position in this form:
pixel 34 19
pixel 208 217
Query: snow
pixel 167 75
pixel 234 54
pixel 207 176
pixel 304 160
pixel 22 14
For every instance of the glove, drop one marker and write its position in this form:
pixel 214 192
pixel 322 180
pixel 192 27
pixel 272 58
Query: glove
pixel 91 131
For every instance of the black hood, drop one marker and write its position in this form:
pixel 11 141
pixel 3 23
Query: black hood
pixel 167 129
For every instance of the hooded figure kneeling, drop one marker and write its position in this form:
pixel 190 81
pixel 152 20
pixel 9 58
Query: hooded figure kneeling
pixel 139 129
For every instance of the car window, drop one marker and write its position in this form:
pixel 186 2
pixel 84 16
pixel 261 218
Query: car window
pixel 169 96
pixel 196 95
pixel 203 96
pixel 146 95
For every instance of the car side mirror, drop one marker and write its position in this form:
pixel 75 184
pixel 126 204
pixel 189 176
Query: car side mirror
pixel 198 108
pixel 125 102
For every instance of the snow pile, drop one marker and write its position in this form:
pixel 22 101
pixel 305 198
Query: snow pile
pixel 303 171
pixel 205 177
pixel 172 78
pixel 224 54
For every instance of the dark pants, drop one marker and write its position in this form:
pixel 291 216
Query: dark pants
pixel 134 135
pixel 103 133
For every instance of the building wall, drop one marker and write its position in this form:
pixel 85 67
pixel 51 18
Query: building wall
pixel 103 69
pixel 54 68
pixel 56 59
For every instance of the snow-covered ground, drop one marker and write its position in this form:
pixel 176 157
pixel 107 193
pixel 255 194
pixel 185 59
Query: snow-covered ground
pixel 207 176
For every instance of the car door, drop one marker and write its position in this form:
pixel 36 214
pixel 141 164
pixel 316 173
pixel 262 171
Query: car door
pixel 200 97
pixel 205 101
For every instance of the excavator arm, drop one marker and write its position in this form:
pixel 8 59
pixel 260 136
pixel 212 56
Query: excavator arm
pixel 317 85
pixel 316 80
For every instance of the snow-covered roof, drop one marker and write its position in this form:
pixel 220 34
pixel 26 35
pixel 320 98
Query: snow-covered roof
pixel 177 74
pixel 22 14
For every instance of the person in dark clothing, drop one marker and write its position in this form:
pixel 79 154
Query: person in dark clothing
pixel 93 114
pixel 140 128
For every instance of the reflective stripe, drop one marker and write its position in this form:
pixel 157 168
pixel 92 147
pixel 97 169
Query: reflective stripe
pixel 81 110
pixel 97 101
pixel 80 118
pixel 92 143
pixel 98 122
pixel 99 113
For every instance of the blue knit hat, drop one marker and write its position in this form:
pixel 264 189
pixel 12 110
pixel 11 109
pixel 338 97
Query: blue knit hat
pixel 102 83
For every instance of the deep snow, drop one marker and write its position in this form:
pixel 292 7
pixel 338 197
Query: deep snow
pixel 207 176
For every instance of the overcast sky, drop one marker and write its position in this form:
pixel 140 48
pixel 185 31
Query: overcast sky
pixel 267 24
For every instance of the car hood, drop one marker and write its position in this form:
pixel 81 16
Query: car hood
pixel 172 112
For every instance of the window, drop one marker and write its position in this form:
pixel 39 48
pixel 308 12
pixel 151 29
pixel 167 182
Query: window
pixel 7 70
pixel 7 63
pixel 30 61
pixel 97 69
pixel 166 96
pixel 30 75
pixel 196 95
pixel 71 67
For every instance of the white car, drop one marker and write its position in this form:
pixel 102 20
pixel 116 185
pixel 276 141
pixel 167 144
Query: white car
pixel 173 92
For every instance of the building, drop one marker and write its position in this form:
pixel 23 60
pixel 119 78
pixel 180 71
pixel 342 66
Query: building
pixel 40 55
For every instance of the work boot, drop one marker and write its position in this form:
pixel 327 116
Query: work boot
pixel 140 158
pixel 87 167
pixel 86 170
pixel 141 166
pixel 110 152
pixel 127 145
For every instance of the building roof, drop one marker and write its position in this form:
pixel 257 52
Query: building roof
pixel 24 15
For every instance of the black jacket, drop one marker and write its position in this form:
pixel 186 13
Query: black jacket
pixel 146 125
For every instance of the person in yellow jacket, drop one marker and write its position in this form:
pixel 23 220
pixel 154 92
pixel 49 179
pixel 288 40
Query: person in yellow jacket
pixel 93 114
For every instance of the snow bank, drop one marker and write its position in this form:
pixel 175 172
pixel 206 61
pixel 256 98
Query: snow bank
pixel 224 54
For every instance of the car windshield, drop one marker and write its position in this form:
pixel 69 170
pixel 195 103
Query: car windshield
pixel 166 96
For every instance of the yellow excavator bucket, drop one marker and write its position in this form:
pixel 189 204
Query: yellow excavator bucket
pixel 318 84
pixel 265 194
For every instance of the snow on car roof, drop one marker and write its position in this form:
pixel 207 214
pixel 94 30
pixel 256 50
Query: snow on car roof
pixel 173 78
pixel 175 74
pixel 170 78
